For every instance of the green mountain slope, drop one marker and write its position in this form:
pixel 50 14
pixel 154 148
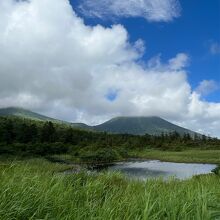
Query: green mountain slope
pixel 20 112
pixel 140 126
pixel 82 126
pixel 119 125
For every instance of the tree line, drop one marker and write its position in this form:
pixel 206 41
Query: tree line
pixel 43 138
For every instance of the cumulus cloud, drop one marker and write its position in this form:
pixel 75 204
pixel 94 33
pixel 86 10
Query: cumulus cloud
pixel 51 62
pixel 179 62
pixel 206 87
pixel 152 10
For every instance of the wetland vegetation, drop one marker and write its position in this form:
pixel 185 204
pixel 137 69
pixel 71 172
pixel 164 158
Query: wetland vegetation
pixel 32 187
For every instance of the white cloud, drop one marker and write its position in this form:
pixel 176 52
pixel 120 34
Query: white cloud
pixel 179 62
pixel 152 10
pixel 206 87
pixel 215 48
pixel 51 62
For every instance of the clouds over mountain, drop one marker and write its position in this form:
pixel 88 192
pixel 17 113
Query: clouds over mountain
pixel 53 63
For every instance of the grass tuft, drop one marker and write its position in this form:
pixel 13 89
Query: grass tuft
pixel 34 189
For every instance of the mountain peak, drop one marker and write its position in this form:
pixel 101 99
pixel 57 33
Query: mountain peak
pixel 24 113
pixel 136 125
pixel 140 125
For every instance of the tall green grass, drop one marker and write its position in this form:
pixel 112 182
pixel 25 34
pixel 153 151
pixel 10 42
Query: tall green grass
pixel 35 190
pixel 187 156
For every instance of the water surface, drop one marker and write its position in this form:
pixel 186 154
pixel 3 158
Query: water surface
pixel 157 169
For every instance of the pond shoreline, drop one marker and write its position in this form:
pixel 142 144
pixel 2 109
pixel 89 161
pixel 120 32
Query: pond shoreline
pixel 147 169
pixel 77 167
pixel 132 159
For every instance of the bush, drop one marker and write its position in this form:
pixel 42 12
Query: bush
pixel 101 155
pixel 34 149
pixel 216 170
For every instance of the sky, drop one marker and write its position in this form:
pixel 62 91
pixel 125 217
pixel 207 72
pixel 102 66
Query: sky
pixel 91 60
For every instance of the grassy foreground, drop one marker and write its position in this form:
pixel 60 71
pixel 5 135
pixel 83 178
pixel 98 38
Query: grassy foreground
pixel 34 189
pixel 187 156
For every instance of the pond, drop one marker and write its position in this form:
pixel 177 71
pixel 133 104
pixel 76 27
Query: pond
pixel 158 169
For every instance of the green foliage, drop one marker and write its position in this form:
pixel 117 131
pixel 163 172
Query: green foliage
pixel 48 133
pixel 33 190
pixel 23 113
pixel 129 125
pixel 217 170
pixel 101 155
pixel 29 137
pixel 184 156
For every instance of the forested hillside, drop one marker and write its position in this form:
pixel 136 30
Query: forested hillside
pixel 119 125
pixel 24 113
pixel 24 136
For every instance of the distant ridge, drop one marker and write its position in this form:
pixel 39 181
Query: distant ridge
pixel 82 126
pixel 120 125
pixel 24 113
pixel 141 125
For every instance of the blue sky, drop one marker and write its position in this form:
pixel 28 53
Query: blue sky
pixel 194 32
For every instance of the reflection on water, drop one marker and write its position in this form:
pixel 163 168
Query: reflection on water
pixel 158 169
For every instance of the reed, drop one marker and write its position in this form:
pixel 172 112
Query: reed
pixel 34 189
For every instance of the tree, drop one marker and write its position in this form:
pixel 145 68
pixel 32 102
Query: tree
pixel 8 132
pixel 48 132
pixel 68 136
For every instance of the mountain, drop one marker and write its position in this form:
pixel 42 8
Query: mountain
pixel 140 126
pixel 119 125
pixel 20 112
pixel 82 126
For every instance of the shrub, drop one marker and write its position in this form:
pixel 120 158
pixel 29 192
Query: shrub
pixel 216 170
pixel 101 155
